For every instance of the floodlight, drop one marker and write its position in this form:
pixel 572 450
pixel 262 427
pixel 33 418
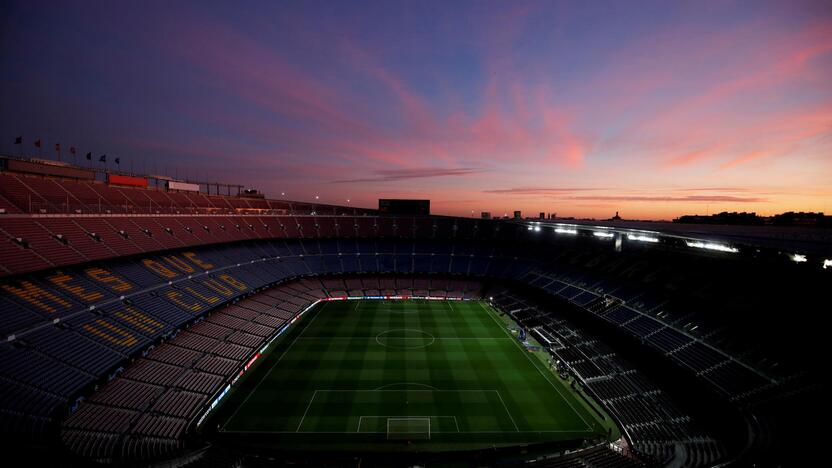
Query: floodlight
pixel 712 246
pixel 566 231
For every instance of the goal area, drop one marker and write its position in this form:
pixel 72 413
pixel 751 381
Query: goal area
pixel 408 428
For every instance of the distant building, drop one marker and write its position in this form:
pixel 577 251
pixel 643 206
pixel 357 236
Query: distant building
pixel 396 206
pixel 789 218
pixel 485 215
pixel 517 215
pixel 733 218
pixel 542 215
pixel 616 217
pixel 801 219
pixel 251 193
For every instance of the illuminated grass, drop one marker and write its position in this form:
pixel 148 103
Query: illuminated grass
pixel 349 367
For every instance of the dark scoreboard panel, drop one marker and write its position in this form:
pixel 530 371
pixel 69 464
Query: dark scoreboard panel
pixel 398 206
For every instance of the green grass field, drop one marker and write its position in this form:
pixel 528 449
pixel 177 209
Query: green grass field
pixel 434 373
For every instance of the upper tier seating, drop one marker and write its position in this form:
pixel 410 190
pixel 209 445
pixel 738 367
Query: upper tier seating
pixel 36 194
pixel 29 244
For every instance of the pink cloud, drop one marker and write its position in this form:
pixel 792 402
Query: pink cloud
pixel 500 130
pixel 717 107
pixel 392 175
pixel 752 156
pixel 689 157
pixel 718 91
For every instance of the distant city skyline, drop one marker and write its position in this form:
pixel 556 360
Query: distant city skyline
pixel 652 109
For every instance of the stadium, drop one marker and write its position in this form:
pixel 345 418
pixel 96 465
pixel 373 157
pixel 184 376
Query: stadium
pixel 173 327
pixel 397 233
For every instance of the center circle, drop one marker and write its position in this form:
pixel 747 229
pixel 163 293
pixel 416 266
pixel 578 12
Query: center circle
pixel 405 338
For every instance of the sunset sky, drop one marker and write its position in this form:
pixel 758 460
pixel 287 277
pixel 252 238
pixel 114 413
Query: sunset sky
pixel 653 109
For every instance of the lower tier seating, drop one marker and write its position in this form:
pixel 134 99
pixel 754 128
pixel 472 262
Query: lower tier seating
pixel 70 331
pixel 655 427
pixel 145 412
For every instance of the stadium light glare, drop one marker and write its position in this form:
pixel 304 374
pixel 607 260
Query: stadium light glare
pixel 537 229
pixel 827 263
pixel 605 235
pixel 566 231
pixel 712 246
pixel 798 258
pixel 642 238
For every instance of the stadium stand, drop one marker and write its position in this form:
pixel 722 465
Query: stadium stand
pixel 24 193
pixel 655 426
pixel 134 307
pixel 127 310
pixel 150 405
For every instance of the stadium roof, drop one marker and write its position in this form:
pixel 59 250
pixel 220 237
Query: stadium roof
pixel 812 241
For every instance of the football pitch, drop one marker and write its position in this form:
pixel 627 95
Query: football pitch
pixel 433 373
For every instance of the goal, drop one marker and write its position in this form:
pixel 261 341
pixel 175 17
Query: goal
pixel 408 428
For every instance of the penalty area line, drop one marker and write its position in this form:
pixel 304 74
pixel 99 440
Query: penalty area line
pixel 314 394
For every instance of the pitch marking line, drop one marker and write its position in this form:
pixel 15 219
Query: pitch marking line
pixel 361 418
pixel 424 345
pixel 381 389
pixel 465 390
pixel 525 353
pixel 429 387
pixel 566 431
pixel 507 411
pixel 450 305
pixel 307 410
pixel 464 338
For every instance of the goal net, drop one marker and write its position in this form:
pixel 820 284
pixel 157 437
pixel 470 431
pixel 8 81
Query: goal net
pixel 408 428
